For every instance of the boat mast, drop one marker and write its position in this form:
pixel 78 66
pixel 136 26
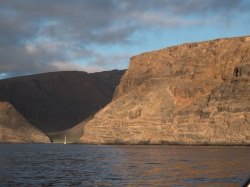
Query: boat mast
pixel 65 140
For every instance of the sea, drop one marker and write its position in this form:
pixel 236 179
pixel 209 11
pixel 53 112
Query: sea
pixel 122 165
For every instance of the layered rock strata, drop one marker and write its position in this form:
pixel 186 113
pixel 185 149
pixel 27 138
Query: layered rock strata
pixel 193 93
pixel 14 128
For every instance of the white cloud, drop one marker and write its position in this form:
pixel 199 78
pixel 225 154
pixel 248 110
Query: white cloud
pixel 69 66
pixel 164 20
pixel 57 35
pixel 31 49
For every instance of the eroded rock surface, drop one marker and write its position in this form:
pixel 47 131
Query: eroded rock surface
pixel 194 93
pixel 14 128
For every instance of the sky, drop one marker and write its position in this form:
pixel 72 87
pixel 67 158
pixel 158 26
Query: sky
pixel 38 36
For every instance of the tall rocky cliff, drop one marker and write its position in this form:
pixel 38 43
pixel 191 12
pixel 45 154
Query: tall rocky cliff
pixel 57 101
pixel 194 93
pixel 14 128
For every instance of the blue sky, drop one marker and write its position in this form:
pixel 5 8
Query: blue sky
pixel 96 35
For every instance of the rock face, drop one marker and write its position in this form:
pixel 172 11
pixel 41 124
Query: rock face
pixel 59 100
pixel 14 128
pixel 194 93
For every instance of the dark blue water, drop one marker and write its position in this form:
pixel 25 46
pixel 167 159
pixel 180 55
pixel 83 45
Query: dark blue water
pixel 82 165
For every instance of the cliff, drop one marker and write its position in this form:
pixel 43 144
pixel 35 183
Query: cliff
pixel 194 93
pixel 14 128
pixel 58 101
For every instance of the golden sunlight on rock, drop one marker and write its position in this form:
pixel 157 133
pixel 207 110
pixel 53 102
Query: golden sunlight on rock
pixel 195 93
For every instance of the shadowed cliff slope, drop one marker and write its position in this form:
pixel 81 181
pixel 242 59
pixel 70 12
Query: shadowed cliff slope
pixel 194 93
pixel 14 128
pixel 59 100
pixel 73 134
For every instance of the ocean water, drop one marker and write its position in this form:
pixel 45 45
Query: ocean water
pixel 86 165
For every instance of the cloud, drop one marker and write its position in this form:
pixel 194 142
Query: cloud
pixel 112 60
pixel 40 36
pixel 62 66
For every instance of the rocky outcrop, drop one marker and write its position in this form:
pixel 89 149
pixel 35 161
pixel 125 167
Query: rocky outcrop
pixel 58 101
pixel 14 128
pixel 194 93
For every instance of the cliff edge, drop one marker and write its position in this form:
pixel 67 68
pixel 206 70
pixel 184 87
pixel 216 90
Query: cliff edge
pixel 14 128
pixel 193 93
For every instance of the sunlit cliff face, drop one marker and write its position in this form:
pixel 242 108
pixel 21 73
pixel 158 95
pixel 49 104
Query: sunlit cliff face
pixel 187 94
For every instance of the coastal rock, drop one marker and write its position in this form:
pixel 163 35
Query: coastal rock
pixel 58 101
pixel 193 93
pixel 14 128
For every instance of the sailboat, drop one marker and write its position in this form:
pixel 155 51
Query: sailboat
pixel 64 140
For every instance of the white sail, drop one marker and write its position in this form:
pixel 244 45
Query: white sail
pixel 64 140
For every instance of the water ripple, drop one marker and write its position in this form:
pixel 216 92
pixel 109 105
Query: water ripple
pixel 82 165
